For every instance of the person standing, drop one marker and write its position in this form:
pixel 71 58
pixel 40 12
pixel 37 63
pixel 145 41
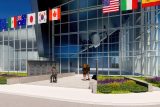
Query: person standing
pixel 88 71
pixel 84 71
pixel 53 77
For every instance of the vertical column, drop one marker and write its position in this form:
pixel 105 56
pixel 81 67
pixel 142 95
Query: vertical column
pixel 14 51
pixel 78 37
pixel 108 43
pixel 8 66
pixel 27 51
pixel 3 51
pixel 60 69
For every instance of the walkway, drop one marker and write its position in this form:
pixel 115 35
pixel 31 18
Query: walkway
pixel 73 97
pixel 67 82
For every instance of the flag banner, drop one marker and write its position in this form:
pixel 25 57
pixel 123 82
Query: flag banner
pixel 42 17
pixel 149 3
pixel 21 20
pixel 12 22
pixel 54 14
pixel 3 24
pixel 31 19
pixel 129 5
pixel 110 6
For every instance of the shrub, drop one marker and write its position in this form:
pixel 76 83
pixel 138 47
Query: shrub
pixel 119 86
pixel 3 80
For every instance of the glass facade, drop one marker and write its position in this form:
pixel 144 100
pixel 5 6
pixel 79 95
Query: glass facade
pixel 123 43
pixel 16 47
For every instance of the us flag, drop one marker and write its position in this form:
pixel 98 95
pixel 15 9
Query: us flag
pixel 110 6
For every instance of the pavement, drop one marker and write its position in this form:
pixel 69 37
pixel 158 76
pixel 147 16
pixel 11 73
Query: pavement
pixel 73 97
pixel 67 82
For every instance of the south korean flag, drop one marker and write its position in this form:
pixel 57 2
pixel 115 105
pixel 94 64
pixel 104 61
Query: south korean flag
pixel 42 17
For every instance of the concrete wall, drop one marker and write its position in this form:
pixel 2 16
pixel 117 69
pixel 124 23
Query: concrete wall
pixel 35 78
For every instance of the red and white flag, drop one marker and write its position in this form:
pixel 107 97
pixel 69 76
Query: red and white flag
pixel 42 17
pixel 54 14
pixel 31 19
pixel 110 6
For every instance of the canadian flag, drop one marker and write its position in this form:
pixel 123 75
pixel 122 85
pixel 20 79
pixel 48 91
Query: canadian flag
pixel 31 19
pixel 55 14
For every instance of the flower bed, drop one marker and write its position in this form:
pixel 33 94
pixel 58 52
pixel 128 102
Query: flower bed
pixel 155 81
pixel 110 84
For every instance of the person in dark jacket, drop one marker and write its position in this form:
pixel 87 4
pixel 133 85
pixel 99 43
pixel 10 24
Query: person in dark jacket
pixel 53 77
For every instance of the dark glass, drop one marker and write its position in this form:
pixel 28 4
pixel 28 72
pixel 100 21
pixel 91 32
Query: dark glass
pixel 64 8
pixel 64 49
pixel 64 40
pixel 99 2
pixel 64 65
pixel 73 49
pixel 82 15
pixel 92 24
pixel 57 29
pixel 23 44
pixel 29 44
pixel 64 18
pixel 64 28
pixel 83 26
pixel 73 39
pixel 17 44
pixel 56 49
pixel 92 14
pixel 92 3
pixel 73 17
pixel 73 27
pixel 73 5
pixel 82 3
pixel 57 40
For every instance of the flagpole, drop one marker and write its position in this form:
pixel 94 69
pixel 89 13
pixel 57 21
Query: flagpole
pixel 8 52
pixel 3 50
pixel 14 52
pixel 49 36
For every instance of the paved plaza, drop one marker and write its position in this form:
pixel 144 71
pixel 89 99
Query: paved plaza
pixel 71 92
pixel 67 82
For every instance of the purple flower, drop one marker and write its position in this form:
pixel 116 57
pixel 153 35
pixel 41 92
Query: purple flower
pixel 154 79
pixel 107 81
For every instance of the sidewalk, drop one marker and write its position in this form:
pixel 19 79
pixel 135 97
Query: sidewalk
pixel 67 82
pixel 83 96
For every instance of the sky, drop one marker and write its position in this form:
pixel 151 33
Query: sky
pixel 9 8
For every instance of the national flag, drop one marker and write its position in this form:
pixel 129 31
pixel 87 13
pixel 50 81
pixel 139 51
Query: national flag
pixel 110 6
pixel 31 19
pixel 54 14
pixel 21 20
pixel 129 5
pixel 149 3
pixel 12 22
pixel 3 24
pixel 42 17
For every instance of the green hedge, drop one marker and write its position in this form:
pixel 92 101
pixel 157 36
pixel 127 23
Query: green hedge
pixel 3 80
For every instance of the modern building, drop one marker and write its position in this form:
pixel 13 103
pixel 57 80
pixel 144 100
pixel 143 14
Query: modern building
pixel 119 43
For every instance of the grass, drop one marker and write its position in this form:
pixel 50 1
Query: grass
pixel 5 75
pixel 18 74
pixel 3 80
